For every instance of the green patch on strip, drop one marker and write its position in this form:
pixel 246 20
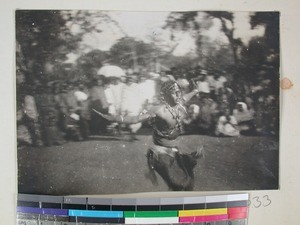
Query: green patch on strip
pixel 150 214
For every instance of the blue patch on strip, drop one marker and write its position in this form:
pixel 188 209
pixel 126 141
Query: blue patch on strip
pixel 58 212
pixel 96 214
pixel 44 211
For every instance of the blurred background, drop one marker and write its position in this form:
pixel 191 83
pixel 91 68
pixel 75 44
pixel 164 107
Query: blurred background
pixel 68 62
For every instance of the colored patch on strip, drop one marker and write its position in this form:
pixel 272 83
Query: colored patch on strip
pixel 149 214
pixel 96 214
pixel 33 210
pixel 58 212
pixel 238 215
pixel 202 212
pixel 237 210
pixel 196 219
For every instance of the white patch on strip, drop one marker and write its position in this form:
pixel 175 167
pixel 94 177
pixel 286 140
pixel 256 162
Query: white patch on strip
pixel 165 220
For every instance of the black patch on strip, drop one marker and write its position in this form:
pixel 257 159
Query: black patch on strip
pixel 51 205
pixel 99 207
pixel 74 206
pixel 96 220
pixel 237 204
pixel 123 208
pixel 216 205
pixel 148 208
pixel 28 204
pixel 194 206
pixel 171 207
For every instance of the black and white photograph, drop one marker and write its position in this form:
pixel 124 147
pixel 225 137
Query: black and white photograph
pixel 117 102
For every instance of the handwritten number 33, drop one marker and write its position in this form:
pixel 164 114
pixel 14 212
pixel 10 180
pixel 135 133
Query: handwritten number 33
pixel 258 202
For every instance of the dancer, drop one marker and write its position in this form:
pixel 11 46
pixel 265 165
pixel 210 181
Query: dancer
pixel 163 156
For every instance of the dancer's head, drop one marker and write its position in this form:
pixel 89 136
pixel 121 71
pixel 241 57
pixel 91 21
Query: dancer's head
pixel 171 92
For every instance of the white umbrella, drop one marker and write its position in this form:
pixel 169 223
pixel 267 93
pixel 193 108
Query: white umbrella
pixel 111 71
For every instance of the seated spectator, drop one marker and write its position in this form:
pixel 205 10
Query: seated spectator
pixel 212 85
pixel 190 122
pixel 245 118
pixel 223 102
pixel 270 115
pixel 227 125
pixel 220 80
pixel 207 114
pixel 230 95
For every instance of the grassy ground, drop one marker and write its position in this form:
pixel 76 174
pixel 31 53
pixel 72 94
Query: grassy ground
pixel 107 165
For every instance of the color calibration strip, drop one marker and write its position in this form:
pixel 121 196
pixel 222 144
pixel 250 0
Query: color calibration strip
pixel 204 210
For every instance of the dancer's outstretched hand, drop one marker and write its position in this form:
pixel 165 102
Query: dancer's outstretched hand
pixel 105 116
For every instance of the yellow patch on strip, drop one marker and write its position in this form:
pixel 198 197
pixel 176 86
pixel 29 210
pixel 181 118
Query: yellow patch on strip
pixel 211 212
pixel 202 212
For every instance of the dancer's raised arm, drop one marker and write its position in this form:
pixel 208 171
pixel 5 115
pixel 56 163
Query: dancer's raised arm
pixel 125 119
pixel 187 97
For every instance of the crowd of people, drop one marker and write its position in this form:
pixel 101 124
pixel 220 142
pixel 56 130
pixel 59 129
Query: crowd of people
pixel 224 109
pixel 56 112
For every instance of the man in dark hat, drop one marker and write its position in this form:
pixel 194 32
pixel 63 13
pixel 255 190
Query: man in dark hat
pixel 163 156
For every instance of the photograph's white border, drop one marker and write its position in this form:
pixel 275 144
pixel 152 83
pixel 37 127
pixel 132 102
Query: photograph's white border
pixel 284 201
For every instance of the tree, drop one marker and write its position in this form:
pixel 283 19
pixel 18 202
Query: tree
pixel 270 20
pixel 38 33
pixel 193 22
pixel 130 53
pixel 88 64
pixel 196 23
pixel 227 26
pixel 269 43
pixel 47 36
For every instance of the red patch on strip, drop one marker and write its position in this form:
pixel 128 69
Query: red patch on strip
pixel 237 210
pixel 242 215
pixel 195 219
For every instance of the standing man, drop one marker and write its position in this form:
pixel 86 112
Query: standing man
pixel 132 104
pixel 164 155
pixel 30 116
pixel 97 100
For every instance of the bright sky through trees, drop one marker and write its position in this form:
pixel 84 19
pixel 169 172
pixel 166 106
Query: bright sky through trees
pixel 147 26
